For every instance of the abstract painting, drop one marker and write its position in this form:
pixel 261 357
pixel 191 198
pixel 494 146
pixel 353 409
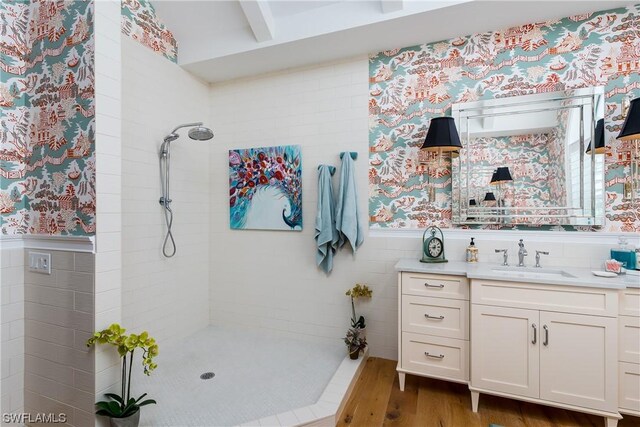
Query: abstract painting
pixel 265 188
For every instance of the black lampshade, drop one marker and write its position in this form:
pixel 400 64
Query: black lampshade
pixel 501 175
pixel 472 202
pixel 598 138
pixel 442 135
pixel 631 126
pixel 489 197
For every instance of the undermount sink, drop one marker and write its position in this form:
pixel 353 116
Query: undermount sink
pixel 532 271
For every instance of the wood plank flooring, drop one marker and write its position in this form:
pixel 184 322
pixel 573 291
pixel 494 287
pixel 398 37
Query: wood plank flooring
pixel 377 401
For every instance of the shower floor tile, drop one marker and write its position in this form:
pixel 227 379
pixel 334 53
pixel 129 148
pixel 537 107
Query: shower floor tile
pixel 257 375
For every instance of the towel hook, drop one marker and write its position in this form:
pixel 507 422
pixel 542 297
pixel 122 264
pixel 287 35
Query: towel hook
pixel 353 154
pixel 332 169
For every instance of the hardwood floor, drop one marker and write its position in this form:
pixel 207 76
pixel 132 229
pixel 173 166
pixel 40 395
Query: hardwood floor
pixel 377 401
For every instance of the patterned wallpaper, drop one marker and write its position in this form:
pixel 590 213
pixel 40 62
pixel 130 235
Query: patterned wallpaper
pixel 409 86
pixel 139 21
pixel 47 126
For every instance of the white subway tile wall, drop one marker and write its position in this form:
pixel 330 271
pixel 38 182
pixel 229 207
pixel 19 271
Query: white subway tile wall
pixel 269 279
pixel 12 334
pixel 167 297
pixel 59 318
pixel 108 258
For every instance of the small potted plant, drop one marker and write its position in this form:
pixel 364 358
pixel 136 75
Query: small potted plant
pixel 355 343
pixel 358 291
pixel 124 410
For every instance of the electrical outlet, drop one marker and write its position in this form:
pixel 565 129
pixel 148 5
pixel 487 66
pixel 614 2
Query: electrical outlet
pixel 40 262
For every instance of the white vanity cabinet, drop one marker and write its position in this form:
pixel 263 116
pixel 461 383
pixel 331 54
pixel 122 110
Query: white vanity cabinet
pixel 536 343
pixel 570 342
pixel 433 314
pixel 629 352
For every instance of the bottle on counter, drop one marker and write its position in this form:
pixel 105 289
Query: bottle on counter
pixel 472 252
pixel 624 254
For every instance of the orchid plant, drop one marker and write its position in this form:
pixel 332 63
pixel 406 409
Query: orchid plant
pixel 123 405
pixel 358 291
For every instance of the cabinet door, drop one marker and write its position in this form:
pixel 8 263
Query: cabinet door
pixel 504 349
pixel 578 363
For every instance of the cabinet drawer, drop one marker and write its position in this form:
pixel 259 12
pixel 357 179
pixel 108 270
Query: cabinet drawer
pixel 434 285
pixel 565 299
pixel 629 386
pixel 629 339
pixel 435 316
pixel 630 302
pixel 436 356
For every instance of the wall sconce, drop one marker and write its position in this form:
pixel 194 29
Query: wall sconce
pixel 599 139
pixel 631 132
pixel 489 197
pixel 442 136
pixel 631 126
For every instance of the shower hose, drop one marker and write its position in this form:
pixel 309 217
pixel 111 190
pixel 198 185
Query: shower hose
pixel 169 244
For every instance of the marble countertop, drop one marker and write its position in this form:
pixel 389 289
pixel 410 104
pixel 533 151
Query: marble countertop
pixel 581 277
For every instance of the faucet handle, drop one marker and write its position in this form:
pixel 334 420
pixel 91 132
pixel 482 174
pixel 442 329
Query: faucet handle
pixel 505 256
pixel 538 253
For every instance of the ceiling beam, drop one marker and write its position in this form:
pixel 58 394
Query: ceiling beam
pixel 260 18
pixel 389 6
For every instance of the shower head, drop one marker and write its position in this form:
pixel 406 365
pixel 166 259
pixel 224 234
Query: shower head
pixel 200 133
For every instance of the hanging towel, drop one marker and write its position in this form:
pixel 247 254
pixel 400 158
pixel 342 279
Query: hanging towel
pixel 347 215
pixel 326 234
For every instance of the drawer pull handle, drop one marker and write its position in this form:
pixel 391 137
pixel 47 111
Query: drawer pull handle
pixel 535 333
pixel 426 353
pixel 440 286
pixel 546 335
pixel 434 317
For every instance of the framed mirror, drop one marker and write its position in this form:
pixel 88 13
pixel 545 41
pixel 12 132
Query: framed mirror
pixel 531 160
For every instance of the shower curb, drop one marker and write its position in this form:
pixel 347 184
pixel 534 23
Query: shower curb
pixel 325 412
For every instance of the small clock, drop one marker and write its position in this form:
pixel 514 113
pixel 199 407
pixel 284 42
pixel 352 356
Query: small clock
pixel 432 246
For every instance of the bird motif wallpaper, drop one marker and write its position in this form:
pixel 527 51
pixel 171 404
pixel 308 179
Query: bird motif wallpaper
pixel 265 188
pixel 411 85
pixel 139 22
pixel 47 125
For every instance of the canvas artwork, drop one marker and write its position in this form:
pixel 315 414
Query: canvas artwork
pixel 265 188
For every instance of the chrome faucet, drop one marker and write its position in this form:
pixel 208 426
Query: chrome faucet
pixel 538 253
pixel 505 256
pixel 522 252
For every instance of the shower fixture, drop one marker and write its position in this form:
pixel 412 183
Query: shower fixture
pixel 197 133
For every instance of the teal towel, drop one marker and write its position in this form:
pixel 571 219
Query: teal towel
pixel 347 214
pixel 326 234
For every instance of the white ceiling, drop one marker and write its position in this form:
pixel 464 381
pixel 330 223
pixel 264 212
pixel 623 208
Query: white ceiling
pixel 226 39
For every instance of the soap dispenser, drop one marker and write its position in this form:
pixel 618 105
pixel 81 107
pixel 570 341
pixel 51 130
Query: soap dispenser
pixel 472 252
pixel 624 254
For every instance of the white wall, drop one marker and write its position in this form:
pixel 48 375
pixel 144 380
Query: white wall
pixel 269 279
pixel 167 297
pixel 108 259
pixel 12 334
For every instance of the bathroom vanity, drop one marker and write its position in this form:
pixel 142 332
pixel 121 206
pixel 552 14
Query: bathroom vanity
pixel 558 337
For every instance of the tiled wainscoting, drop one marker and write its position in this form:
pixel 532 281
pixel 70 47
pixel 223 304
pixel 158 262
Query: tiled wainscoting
pixel 12 318
pixel 59 368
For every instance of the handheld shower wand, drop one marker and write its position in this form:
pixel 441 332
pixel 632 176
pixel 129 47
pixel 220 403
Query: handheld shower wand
pixel 197 133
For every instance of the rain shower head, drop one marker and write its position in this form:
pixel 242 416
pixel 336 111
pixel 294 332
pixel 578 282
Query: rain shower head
pixel 200 133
